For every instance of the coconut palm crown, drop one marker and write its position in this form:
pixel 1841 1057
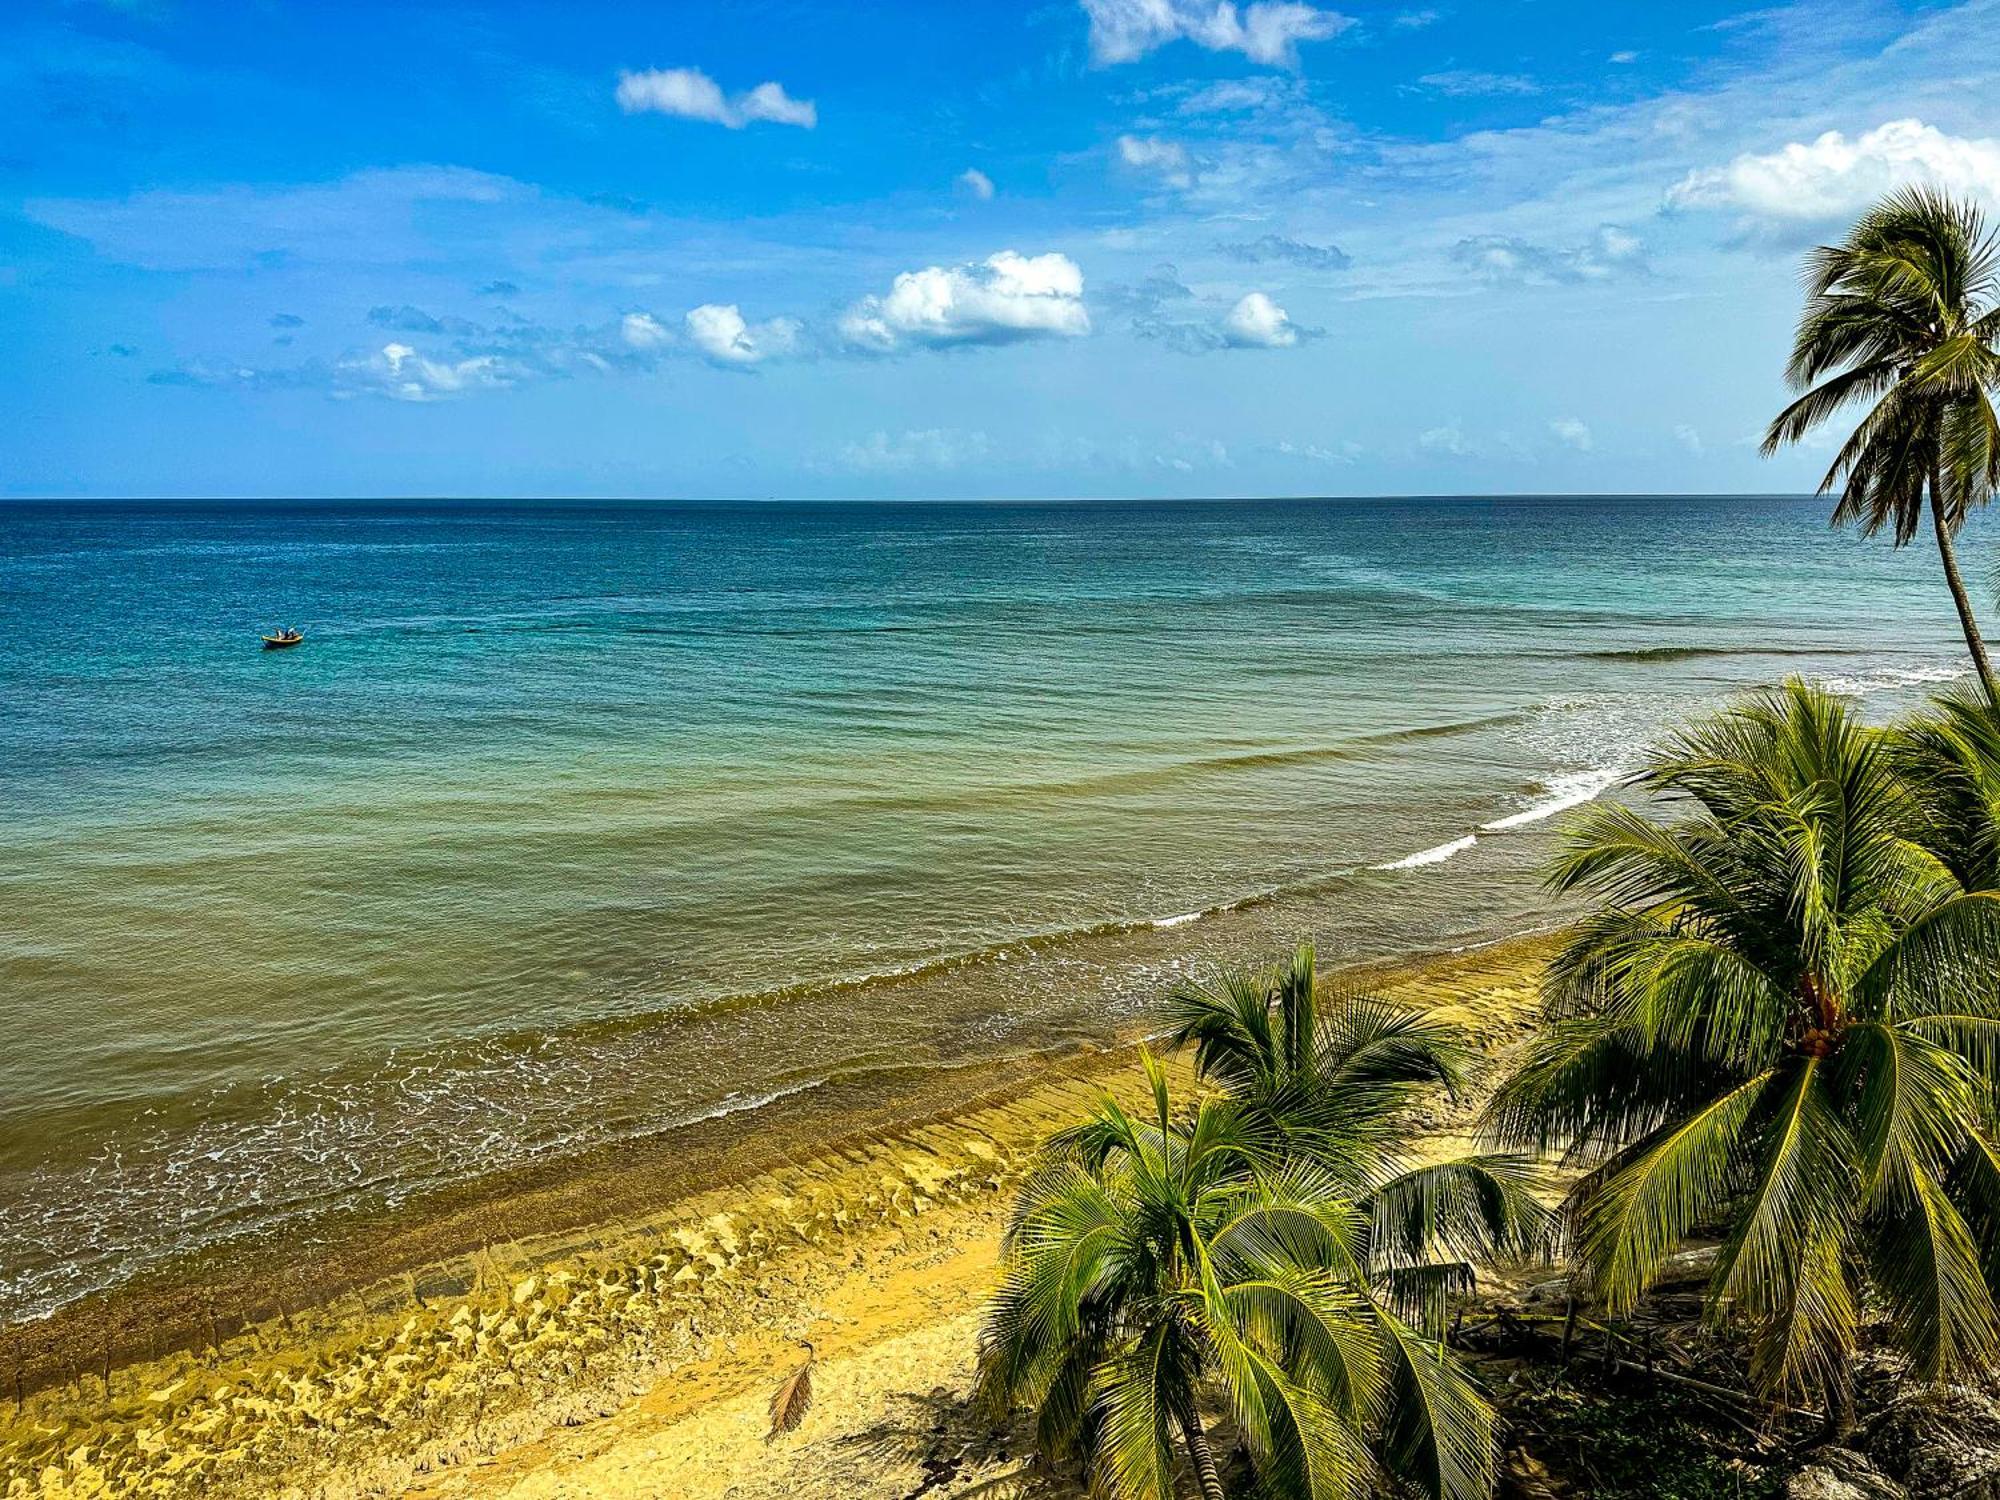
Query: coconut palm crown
pixel 1782 1025
pixel 1264 1252
pixel 1159 1263
pixel 1335 1080
pixel 1903 316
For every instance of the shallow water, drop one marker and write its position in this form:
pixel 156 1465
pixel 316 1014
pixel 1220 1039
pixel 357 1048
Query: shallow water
pixel 570 821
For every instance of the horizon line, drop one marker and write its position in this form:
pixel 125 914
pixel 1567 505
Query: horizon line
pixel 454 498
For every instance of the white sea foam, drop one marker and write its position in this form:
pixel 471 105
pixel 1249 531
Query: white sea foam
pixel 1436 856
pixel 736 1104
pixel 1566 790
pixel 1888 679
pixel 1183 919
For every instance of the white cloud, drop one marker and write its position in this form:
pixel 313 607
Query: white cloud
pixel 930 448
pixel 402 374
pixel 1158 157
pixel 644 332
pixel 1503 259
pixel 1624 57
pixel 1832 176
pixel 1465 83
pixel 1443 440
pixel 1006 298
pixel 1346 453
pixel 976 183
pixel 719 331
pixel 1267 31
pixel 692 95
pixel 1256 322
pixel 1571 433
pixel 1235 95
pixel 1689 439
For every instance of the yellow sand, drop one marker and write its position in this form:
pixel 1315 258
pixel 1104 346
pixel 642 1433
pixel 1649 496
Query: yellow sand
pixel 641 1361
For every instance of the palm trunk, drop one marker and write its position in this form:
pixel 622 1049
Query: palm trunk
pixel 1956 582
pixel 1839 1421
pixel 1201 1457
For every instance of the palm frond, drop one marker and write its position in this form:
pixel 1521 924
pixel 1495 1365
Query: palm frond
pixel 1634 1218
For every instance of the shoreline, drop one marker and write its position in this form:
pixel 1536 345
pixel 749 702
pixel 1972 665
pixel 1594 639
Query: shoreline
pixel 552 1315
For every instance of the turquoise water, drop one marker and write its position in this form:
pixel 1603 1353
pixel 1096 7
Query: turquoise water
pixel 571 822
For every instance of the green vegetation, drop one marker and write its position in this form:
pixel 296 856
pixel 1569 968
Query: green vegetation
pixel 1783 1022
pixel 1780 1028
pixel 1265 1250
pixel 1635 1444
pixel 1904 314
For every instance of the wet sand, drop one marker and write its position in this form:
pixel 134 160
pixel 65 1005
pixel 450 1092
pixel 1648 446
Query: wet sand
pixel 631 1350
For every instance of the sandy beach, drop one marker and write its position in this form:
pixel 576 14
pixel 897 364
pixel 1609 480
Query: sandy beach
pixel 638 1357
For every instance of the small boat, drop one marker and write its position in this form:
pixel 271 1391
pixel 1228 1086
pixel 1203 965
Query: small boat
pixel 281 639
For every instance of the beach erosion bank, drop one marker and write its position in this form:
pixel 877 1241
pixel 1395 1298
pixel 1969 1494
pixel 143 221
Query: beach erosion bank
pixel 635 1353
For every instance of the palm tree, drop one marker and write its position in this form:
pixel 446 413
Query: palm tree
pixel 1154 1263
pixel 1950 756
pixel 1332 1080
pixel 1783 1023
pixel 1904 314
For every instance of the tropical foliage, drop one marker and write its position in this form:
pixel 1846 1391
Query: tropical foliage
pixel 1784 1023
pixel 1262 1251
pixel 1950 758
pixel 1903 317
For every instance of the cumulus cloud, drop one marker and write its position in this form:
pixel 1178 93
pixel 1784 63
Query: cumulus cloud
pixel 930 448
pixel 1466 83
pixel 1267 31
pixel 691 94
pixel 722 336
pixel 1831 176
pixel 644 332
pixel 1276 247
pixel 401 373
pixel 1253 322
pixel 977 183
pixel 1156 156
pixel 1448 439
pixel 1256 322
pixel 1690 439
pixel 1507 260
pixel 1571 432
pixel 1006 298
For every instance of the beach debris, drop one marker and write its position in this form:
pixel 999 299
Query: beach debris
pixel 793 1399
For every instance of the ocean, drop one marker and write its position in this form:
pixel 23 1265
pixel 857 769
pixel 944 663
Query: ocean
pixel 572 823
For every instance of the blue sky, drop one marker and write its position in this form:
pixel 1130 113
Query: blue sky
pixel 1087 247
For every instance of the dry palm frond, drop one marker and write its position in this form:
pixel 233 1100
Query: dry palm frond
pixel 793 1399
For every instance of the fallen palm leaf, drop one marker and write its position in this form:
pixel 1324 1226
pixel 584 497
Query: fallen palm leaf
pixel 793 1399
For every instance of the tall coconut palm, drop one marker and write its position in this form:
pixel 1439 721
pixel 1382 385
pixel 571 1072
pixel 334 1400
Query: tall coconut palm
pixel 1159 1262
pixel 1904 315
pixel 1784 1024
